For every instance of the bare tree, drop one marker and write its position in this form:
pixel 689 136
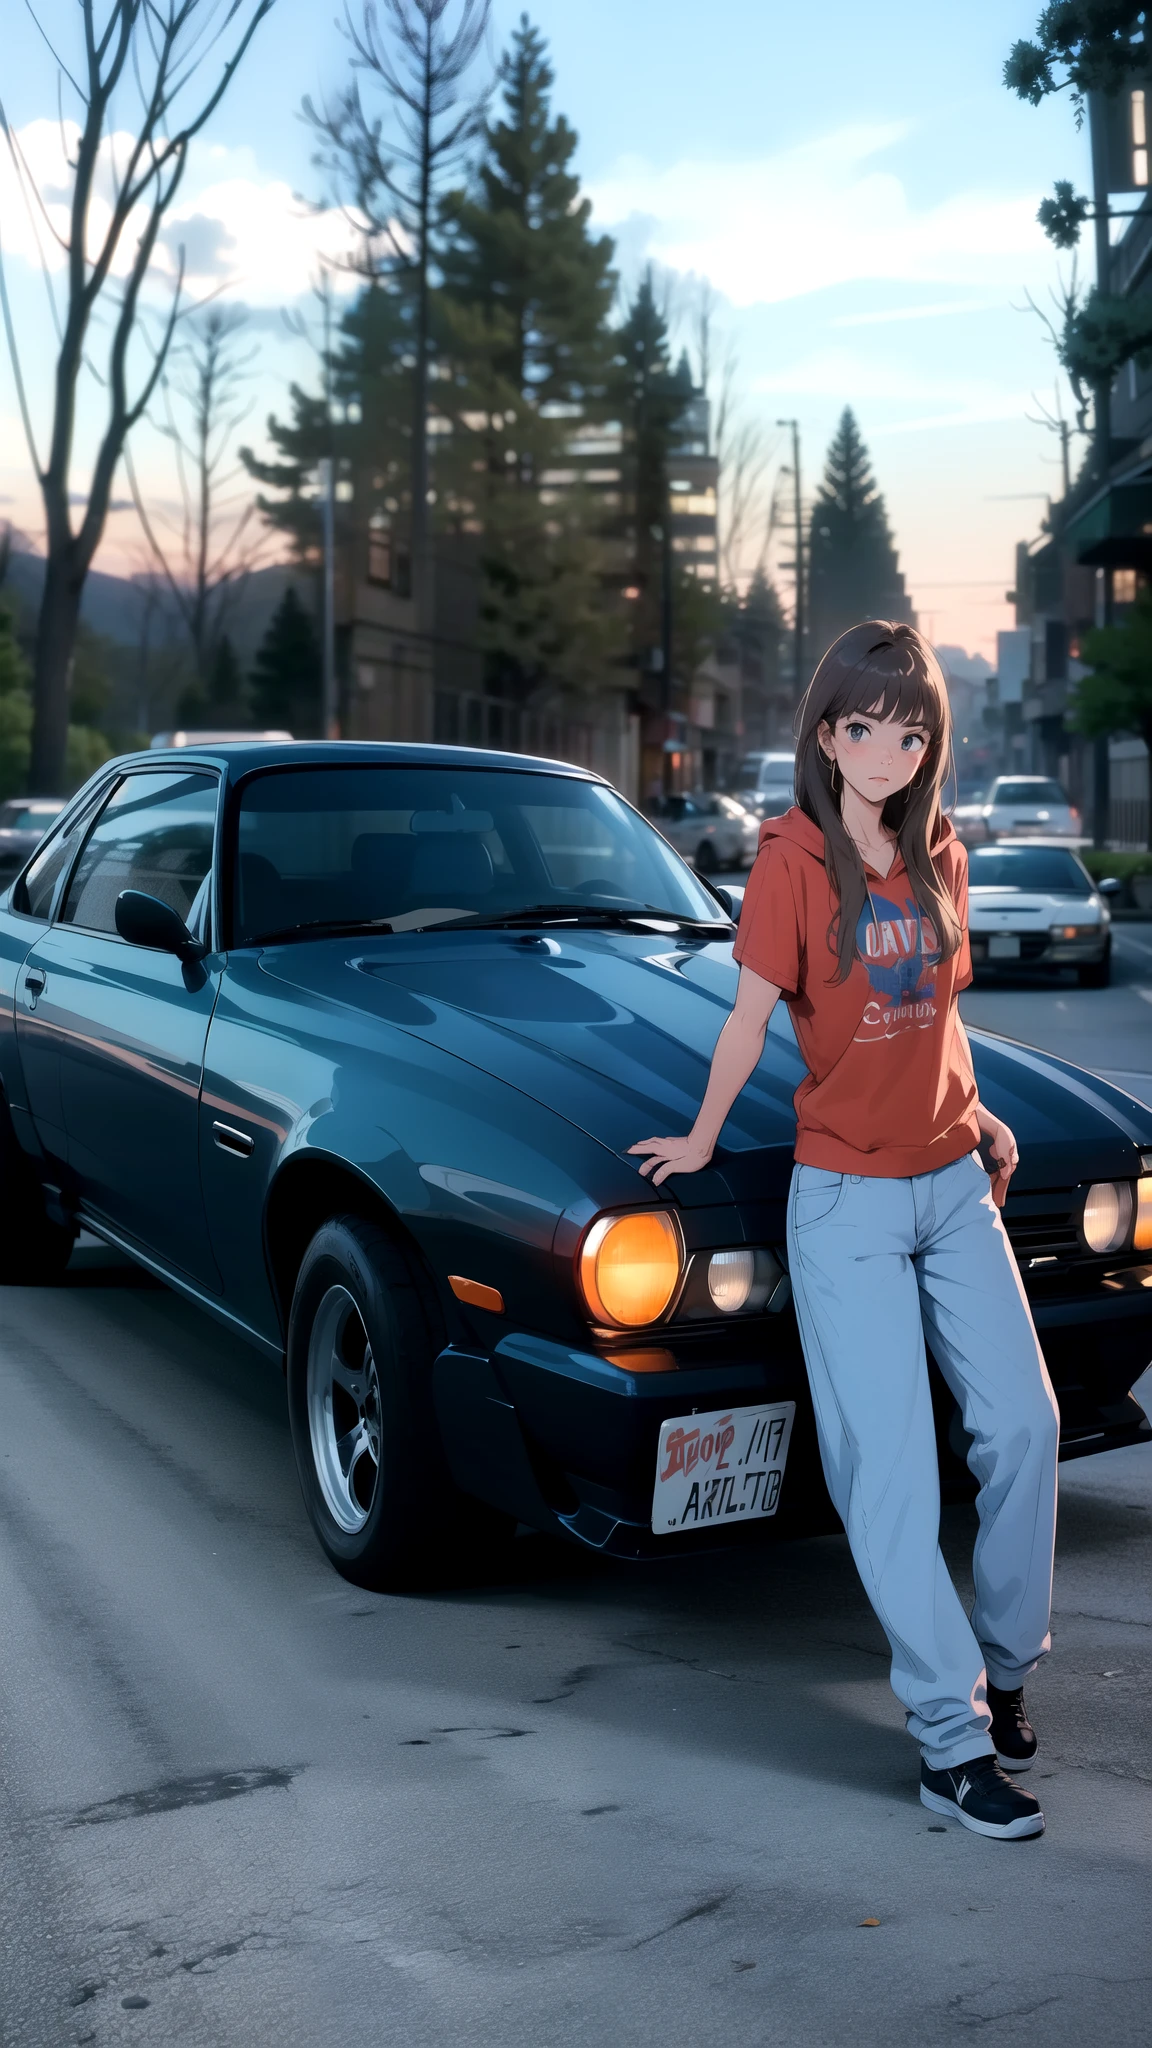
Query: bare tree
pixel 739 444
pixel 156 49
pixel 389 169
pixel 1053 419
pixel 207 555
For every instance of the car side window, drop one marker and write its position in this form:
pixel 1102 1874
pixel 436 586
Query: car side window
pixel 34 894
pixel 154 834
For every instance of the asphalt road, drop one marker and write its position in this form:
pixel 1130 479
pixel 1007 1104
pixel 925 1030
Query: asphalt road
pixel 242 1802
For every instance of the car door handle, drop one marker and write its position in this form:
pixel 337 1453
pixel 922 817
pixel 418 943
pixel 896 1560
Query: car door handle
pixel 35 983
pixel 237 1142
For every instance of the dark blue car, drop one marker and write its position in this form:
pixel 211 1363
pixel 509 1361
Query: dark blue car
pixel 349 1043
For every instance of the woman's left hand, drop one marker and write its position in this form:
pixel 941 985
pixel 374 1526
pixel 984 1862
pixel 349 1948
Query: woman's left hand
pixel 1002 1146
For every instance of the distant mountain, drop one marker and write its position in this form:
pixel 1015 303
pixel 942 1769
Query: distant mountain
pixel 115 605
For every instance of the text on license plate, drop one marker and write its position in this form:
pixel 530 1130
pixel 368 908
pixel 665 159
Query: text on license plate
pixel 1004 946
pixel 726 1466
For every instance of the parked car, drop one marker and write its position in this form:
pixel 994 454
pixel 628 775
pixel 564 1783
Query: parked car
pixel 765 782
pixel 1037 906
pixel 1019 806
pixel 749 824
pixel 704 829
pixel 349 1043
pixel 23 822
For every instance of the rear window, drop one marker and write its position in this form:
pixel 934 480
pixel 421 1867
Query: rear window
pixel 1028 793
pixel 419 846
pixel 1027 867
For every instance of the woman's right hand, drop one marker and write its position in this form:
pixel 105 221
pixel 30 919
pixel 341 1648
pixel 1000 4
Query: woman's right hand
pixel 671 1155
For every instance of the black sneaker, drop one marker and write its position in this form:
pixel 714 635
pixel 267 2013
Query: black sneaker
pixel 980 1797
pixel 1011 1730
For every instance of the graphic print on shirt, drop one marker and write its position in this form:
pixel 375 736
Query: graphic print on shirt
pixel 901 953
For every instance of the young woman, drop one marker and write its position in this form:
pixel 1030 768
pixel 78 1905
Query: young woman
pixel 856 914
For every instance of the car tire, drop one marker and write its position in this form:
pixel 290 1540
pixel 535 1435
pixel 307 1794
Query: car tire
pixel 372 1470
pixel 33 1249
pixel 1099 974
pixel 706 862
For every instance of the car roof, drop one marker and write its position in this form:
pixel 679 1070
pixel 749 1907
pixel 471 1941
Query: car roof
pixel 240 758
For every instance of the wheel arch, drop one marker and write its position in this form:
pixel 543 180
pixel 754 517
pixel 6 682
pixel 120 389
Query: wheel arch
pixel 310 1188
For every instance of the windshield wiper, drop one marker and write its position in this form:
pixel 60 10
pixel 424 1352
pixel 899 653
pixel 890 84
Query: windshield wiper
pixel 333 926
pixel 586 914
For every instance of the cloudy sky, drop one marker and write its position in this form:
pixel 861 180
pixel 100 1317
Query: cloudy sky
pixel 853 181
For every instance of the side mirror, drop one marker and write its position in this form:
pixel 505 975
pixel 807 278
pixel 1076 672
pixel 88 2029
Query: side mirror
pixel 146 921
pixel 731 900
pixel 1110 887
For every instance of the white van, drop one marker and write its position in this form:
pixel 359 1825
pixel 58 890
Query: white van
pixel 765 783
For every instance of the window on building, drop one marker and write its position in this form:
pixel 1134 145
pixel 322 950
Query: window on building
pixel 1124 586
pixel 380 553
pixel 1139 139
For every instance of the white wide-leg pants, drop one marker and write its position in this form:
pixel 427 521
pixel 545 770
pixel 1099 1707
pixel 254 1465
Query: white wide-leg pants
pixel 875 1264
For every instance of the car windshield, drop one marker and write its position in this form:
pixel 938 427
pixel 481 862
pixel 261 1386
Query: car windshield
pixel 410 847
pixel 1046 868
pixel 1038 792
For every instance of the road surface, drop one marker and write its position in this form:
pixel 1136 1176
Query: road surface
pixel 246 1803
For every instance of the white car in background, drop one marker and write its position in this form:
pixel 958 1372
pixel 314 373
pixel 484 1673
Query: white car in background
pixel 1020 806
pixel 707 829
pixel 765 782
pixel 1037 906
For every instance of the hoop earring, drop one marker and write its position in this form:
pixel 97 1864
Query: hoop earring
pixel 833 771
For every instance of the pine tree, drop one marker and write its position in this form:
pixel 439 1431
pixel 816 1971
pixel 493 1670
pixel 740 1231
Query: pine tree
pixel 364 425
pixel 524 321
pixel 652 397
pixel 521 259
pixel 286 674
pixel 853 572
pixel 15 708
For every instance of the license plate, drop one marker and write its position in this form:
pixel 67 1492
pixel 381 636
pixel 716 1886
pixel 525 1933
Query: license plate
pixel 1004 946
pixel 723 1467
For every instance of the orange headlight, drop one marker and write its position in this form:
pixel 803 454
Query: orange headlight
pixel 1142 1236
pixel 630 1268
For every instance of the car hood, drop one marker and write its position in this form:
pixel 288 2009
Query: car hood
pixel 612 1031
pixel 615 1033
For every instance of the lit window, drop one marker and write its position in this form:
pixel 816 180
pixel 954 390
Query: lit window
pixel 1124 586
pixel 1139 139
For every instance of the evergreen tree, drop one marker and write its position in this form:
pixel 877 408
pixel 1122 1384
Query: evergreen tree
pixel 524 321
pixel 652 397
pixel 286 674
pixel 521 261
pixel 222 701
pixel 364 425
pixel 15 708
pixel 852 563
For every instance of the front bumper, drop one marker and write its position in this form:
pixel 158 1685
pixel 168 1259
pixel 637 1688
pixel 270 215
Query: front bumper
pixel 566 1441
pixel 1040 949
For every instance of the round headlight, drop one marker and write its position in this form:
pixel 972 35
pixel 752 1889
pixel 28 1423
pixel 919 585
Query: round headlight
pixel 730 1277
pixel 1107 1215
pixel 630 1268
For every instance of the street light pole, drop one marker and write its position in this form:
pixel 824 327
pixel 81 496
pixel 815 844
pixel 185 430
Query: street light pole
pixel 798 625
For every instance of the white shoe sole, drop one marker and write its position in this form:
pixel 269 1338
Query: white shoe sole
pixel 1008 1831
pixel 1014 1764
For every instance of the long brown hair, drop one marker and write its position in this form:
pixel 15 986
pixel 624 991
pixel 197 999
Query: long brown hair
pixel 888 671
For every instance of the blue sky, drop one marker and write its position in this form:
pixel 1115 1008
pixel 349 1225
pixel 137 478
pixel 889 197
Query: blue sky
pixel 855 183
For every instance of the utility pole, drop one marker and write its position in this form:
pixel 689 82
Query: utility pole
pixel 798 564
pixel 1102 402
pixel 328 715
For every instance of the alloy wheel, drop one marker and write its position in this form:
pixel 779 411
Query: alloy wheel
pixel 344 1410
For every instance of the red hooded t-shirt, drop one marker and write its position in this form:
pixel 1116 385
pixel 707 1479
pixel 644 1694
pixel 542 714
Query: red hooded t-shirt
pixel 889 1090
